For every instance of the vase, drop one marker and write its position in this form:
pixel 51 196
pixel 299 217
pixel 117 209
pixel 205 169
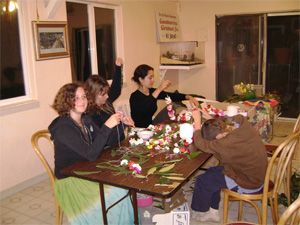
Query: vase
pixel 248 95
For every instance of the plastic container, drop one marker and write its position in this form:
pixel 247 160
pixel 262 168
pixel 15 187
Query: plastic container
pixel 144 200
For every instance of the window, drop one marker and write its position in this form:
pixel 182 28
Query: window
pixel 92 39
pixel 12 75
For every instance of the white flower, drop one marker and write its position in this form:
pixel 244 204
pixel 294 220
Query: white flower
pixel 176 145
pixel 151 127
pixel 137 166
pixel 156 142
pixel 189 140
pixel 176 150
pixel 131 133
pixel 168 129
pixel 124 162
pixel 147 143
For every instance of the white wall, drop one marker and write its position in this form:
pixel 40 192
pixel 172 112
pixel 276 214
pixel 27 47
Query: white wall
pixel 197 15
pixel 18 160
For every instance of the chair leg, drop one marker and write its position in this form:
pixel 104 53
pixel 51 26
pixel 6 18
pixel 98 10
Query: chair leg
pixel 273 210
pixel 58 214
pixel 240 210
pixel 225 208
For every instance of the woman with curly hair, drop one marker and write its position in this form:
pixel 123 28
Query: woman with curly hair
pixel 101 98
pixel 77 137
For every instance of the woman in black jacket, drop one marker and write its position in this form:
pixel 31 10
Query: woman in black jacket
pixel 77 137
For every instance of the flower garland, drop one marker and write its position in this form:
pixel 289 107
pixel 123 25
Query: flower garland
pixel 170 109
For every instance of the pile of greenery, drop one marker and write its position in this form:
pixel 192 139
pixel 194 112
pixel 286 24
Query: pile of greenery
pixel 295 190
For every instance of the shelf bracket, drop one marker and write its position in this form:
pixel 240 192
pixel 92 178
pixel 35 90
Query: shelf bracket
pixel 162 74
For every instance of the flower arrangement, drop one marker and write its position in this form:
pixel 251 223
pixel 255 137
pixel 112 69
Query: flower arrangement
pixel 246 90
pixel 243 88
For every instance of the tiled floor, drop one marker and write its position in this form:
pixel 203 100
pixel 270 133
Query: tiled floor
pixel 35 205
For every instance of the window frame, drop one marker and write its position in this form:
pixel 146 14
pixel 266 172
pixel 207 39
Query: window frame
pixel 30 93
pixel 92 30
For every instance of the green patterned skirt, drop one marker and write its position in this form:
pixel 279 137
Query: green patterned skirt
pixel 80 201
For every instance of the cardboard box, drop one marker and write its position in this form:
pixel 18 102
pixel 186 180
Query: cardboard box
pixel 178 216
pixel 175 201
pixel 223 106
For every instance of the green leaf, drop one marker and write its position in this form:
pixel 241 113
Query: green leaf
pixel 85 173
pixel 140 176
pixel 113 153
pixel 155 165
pixel 109 167
pixel 151 171
pixel 172 161
pixel 167 168
pixel 176 178
pixel 195 154
pixel 164 180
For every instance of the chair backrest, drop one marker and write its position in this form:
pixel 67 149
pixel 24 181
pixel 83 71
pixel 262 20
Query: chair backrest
pixel 123 106
pixel 292 213
pixel 34 142
pixel 297 125
pixel 278 165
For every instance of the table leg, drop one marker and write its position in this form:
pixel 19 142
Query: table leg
pixel 103 203
pixel 135 208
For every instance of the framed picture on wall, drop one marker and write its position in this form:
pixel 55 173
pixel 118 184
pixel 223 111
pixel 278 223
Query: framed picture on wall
pixel 50 40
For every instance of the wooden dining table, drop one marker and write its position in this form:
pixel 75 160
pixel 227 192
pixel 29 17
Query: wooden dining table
pixel 187 167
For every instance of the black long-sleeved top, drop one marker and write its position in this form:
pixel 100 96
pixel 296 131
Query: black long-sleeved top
pixel 71 145
pixel 144 106
pixel 114 92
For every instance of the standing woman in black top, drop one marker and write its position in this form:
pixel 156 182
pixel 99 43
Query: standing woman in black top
pixel 143 102
pixel 75 138
pixel 101 98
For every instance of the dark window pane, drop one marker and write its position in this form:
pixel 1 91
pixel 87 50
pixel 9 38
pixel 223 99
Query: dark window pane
pixel 283 74
pixel 105 39
pixel 12 81
pixel 78 31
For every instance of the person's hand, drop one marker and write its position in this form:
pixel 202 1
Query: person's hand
pixel 119 62
pixel 113 120
pixel 165 84
pixel 192 101
pixel 128 121
pixel 205 114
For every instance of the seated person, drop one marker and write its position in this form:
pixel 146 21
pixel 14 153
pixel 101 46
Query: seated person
pixel 77 137
pixel 243 162
pixel 143 102
pixel 101 98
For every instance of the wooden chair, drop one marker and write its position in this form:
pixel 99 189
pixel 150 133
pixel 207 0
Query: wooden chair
pixel 291 215
pixel 297 125
pixel 282 156
pixel 34 142
pixel 287 180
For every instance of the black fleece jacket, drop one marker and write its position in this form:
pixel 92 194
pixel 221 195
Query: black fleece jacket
pixel 71 146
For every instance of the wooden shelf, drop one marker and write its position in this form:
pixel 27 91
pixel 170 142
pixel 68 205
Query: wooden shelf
pixel 181 67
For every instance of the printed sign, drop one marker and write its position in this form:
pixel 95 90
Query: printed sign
pixel 168 27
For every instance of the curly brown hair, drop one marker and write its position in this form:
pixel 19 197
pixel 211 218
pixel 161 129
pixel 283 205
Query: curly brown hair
pixel 95 85
pixel 65 99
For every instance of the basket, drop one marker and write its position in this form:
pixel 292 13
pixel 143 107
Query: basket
pixel 144 200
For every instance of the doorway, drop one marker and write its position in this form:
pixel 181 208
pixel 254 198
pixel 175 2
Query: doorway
pixel 239 53
pixel 240 47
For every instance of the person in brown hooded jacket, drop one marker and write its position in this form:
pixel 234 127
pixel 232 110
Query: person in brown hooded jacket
pixel 242 157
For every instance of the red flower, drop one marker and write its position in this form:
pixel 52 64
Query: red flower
pixel 130 165
pixel 152 154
